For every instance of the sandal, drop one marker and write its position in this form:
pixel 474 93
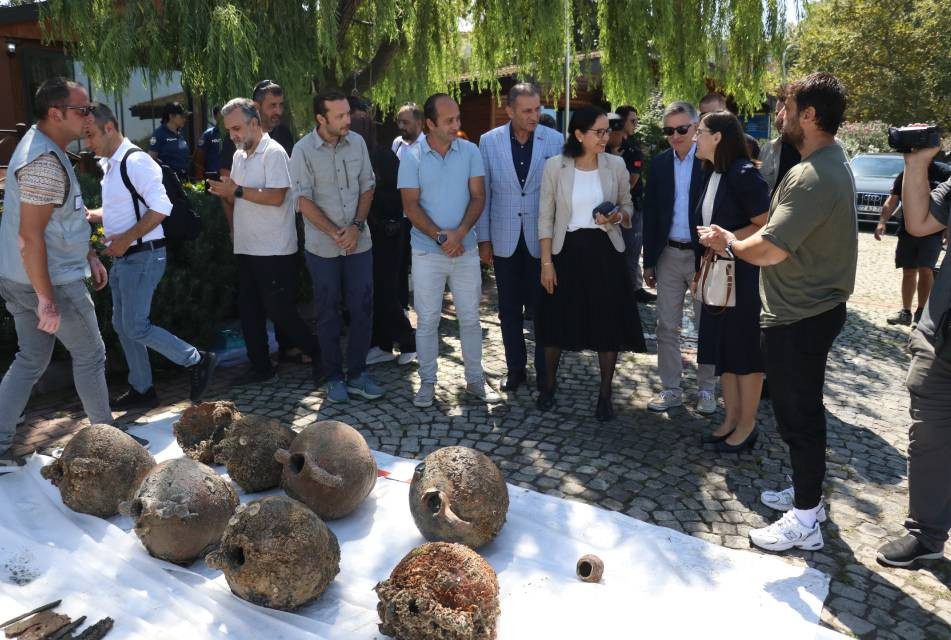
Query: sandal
pixel 294 356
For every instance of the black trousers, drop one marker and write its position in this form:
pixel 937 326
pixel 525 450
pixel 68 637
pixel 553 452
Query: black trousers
pixel 405 261
pixel 796 356
pixel 390 324
pixel 267 288
pixel 518 279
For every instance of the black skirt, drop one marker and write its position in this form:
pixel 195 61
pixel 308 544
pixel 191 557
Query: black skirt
pixel 730 338
pixel 592 307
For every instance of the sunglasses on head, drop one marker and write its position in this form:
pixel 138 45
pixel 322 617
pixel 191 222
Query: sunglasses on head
pixel 682 130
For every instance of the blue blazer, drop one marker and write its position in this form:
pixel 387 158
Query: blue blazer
pixel 510 209
pixel 659 205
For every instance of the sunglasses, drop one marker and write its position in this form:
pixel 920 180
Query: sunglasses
pixel 83 111
pixel 682 130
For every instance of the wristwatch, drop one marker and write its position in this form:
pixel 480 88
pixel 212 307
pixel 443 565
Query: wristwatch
pixel 239 191
pixel 441 238
pixel 360 225
pixel 729 249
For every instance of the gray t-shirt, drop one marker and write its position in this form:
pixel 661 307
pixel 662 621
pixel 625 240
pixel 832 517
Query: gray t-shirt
pixel 936 311
pixel 263 230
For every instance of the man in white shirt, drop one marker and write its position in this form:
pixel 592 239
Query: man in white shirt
pixel 265 240
pixel 133 229
pixel 409 120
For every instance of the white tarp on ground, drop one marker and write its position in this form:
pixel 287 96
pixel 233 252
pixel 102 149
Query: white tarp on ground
pixel 657 583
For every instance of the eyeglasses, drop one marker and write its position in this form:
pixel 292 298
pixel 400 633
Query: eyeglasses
pixel 599 132
pixel 84 110
pixel 700 131
pixel 682 130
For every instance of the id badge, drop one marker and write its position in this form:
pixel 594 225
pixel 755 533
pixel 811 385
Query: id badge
pixel 78 202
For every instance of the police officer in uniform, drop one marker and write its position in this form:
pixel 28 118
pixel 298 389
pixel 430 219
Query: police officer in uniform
pixel 208 153
pixel 168 144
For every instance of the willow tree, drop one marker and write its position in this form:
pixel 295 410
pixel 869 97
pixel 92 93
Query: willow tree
pixel 393 50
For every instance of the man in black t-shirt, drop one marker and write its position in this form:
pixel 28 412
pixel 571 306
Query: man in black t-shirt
pixel 915 256
pixel 630 152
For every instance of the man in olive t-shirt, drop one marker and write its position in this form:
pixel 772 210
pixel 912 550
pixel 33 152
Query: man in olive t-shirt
pixel 807 251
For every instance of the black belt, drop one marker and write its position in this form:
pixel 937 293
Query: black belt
pixel 151 245
pixel 683 246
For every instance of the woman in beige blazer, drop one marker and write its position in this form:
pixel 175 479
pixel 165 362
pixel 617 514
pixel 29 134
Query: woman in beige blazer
pixel 588 298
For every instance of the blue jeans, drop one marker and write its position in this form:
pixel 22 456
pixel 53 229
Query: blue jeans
pixel 353 276
pixel 431 272
pixel 78 332
pixel 518 279
pixel 133 280
pixel 633 242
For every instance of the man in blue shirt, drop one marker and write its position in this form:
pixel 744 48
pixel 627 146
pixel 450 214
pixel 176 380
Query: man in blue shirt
pixel 208 153
pixel 442 185
pixel 168 144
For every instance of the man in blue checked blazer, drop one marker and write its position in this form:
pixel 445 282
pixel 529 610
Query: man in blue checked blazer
pixel 514 156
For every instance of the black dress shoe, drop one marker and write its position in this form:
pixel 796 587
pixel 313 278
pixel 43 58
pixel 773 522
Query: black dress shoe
pixel 644 296
pixel 546 400
pixel 132 399
pixel 200 374
pixel 712 439
pixel 513 380
pixel 746 445
pixel 605 410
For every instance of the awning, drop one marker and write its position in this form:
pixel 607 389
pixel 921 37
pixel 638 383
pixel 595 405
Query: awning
pixel 152 109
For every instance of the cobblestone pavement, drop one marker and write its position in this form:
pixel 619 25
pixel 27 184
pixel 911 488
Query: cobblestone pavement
pixel 651 466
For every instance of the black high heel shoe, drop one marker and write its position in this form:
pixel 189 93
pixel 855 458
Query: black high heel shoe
pixel 712 439
pixel 545 401
pixel 746 445
pixel 605 410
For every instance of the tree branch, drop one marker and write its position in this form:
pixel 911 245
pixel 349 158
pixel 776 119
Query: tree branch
pixel 345 12
pixel 381 60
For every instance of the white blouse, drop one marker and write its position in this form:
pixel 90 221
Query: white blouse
pixel 585 196
pixel 709 196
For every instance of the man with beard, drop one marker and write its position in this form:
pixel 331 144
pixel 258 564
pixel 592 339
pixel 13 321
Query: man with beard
pixel 778 156
pixel 409 120
pixel 808 251
pixel 333 179
pixel 265 240
pixel 514 157
pixel 268 97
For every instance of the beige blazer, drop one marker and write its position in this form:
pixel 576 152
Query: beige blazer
pixel 558 181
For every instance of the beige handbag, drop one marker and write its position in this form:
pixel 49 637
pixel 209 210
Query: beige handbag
pixel 716 281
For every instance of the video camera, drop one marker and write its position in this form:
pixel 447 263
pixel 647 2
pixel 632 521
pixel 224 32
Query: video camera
pixel 907 139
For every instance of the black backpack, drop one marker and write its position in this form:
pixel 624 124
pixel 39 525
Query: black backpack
pixel 183 223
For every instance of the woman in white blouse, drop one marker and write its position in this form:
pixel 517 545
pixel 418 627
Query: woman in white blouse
pixel 588 298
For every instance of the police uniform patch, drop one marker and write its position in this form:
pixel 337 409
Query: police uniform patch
pixel 152 140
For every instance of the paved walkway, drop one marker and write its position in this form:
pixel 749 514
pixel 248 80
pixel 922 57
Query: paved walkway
pixel 651 466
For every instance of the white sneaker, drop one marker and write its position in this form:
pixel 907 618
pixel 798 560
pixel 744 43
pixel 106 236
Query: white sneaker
pixel 376 355
pixel 668 398
pixel 786 533
pixel 785 500
pixel 425 396
pixel 484 392
pixel 706 402
pixel 406 358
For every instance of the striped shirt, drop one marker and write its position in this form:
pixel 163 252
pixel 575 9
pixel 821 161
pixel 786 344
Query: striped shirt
pixel 43 181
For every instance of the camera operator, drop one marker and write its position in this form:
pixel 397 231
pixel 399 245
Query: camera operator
pixel 929 378
pixel 915 256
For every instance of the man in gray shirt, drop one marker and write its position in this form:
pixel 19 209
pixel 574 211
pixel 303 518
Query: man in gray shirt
pixel 928 382
pixel 44 258
pixel 333 181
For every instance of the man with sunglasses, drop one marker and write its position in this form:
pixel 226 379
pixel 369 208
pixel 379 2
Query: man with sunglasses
pixel 671 216
pixel 45 257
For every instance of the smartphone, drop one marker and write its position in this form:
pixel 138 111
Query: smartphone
pixel 211 175
pixel 606 209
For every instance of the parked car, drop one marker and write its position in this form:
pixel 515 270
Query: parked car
pixel 874 176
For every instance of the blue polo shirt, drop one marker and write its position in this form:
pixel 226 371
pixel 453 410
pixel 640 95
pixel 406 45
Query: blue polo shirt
pixel 171 147
pixel 443 184
pixel 210 141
